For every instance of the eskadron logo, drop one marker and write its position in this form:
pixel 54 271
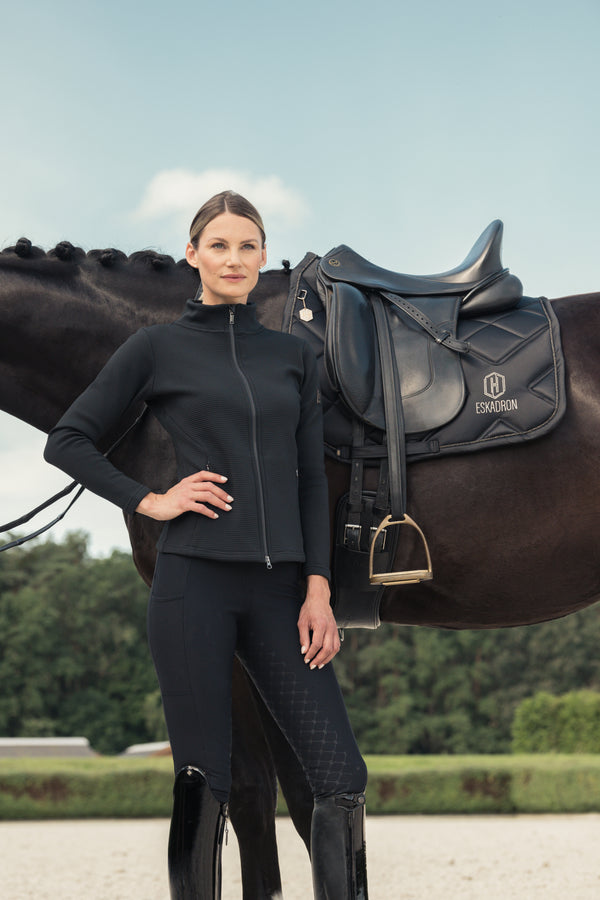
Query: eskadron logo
pixel 494 386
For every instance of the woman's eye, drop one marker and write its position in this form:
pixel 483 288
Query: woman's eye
pixel 217 245
pixel 249 246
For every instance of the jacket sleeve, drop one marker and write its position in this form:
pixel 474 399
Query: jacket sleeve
pixel 72 443
pixel 312 482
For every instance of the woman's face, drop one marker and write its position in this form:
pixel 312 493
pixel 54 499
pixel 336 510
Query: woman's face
pixel 228 257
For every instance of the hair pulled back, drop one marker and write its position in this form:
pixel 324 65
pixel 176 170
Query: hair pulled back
pixel 226 201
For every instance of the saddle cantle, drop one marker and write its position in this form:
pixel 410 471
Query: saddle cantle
pixel 414 367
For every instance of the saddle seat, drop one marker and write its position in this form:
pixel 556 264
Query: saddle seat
pixel 482 281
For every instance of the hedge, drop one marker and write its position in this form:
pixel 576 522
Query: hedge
pixel 117 788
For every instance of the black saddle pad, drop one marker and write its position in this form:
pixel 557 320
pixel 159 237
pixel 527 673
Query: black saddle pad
pixel 514 381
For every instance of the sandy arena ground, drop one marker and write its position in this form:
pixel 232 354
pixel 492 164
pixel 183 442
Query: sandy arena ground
pixel 432 857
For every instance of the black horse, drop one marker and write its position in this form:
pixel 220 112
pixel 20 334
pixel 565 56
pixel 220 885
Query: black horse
pixel 513 532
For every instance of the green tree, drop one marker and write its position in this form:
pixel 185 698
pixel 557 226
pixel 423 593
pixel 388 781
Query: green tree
pixel 422 690
pixel 73 653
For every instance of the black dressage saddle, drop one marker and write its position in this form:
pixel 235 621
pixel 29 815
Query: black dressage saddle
pixel 414 367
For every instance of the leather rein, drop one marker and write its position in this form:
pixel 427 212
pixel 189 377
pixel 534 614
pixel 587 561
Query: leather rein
pixel 10 526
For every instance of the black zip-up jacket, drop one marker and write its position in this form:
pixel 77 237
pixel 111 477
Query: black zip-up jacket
pixel 236 398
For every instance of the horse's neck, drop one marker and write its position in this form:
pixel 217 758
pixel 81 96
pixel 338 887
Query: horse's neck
pixel 57 334
pixel 60 325
pixel 270 296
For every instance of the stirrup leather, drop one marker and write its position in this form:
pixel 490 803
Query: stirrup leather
pixel 410 576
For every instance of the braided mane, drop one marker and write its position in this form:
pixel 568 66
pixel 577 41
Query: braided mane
pixel 108 258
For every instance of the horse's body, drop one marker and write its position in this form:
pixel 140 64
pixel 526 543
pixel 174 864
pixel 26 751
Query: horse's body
pixel 513 532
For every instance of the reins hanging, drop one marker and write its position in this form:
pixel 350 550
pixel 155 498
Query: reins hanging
pixel 10 526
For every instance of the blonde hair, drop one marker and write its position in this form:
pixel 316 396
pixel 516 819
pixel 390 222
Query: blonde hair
pixel 226 201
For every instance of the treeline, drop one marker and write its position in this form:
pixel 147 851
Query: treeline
pixel 420 690
pixel 74 658
pixel 74 661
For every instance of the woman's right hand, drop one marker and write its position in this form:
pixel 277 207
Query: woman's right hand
pixel 191 494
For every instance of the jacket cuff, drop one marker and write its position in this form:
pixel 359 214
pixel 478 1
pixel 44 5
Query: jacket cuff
pixel 135 499
pixel 308 569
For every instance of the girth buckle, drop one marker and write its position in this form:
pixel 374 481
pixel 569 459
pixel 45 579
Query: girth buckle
pixel 352 536
pixel 410 576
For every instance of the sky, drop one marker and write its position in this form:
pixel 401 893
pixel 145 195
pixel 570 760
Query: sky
pixel 399 128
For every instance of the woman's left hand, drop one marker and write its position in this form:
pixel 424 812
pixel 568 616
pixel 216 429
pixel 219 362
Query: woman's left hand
pixel 319 637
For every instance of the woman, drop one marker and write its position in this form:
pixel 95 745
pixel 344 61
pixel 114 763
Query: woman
pixel 246 521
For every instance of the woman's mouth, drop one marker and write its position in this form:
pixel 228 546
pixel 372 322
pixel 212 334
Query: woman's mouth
pixel 233 277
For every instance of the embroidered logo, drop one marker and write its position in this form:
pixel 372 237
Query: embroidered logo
pixel 494 385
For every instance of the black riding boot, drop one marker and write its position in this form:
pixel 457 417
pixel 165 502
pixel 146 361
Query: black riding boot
pixel 195 839
pixel 337 844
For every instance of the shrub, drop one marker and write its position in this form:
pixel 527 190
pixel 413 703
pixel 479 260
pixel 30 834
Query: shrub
pixel 550 724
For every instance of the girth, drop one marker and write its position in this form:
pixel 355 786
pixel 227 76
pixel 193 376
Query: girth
pixel 412 368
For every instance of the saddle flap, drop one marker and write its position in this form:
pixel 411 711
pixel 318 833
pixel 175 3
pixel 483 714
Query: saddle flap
pixel 430 375
pixel 351 354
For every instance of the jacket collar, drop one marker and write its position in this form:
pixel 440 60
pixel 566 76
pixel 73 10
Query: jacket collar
pixel 207 317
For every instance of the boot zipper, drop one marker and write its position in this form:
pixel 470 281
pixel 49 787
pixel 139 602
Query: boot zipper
pixel 261 499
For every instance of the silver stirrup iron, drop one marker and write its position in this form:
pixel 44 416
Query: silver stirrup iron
pixel 411 576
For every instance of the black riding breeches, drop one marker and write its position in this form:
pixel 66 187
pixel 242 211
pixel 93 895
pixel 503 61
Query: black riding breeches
pixel 202 613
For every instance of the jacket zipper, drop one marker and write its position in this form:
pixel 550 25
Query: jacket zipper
pixel 261 499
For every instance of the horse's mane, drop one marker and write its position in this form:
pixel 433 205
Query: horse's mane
pixel 108 258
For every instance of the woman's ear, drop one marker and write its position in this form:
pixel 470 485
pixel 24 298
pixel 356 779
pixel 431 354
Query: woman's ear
pixel 190 255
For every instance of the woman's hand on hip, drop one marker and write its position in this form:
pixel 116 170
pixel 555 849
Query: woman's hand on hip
pixel 319 637
pixel 191 494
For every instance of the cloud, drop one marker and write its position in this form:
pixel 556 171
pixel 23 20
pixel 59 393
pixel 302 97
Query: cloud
pixel 178 193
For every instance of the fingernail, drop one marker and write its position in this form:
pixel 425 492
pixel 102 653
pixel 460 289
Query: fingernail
pixel 303 648
pixel 215 515
pixel 313 666
pixel 227 506
pixel 307 661
pixel 229 499
pixel 321 666
pixel 223 478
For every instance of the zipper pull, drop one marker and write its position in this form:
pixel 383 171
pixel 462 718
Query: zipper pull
pixel 226 831
pixel 231 315
pixel 268 561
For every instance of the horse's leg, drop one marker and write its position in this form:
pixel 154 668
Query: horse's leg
pixel 253 797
